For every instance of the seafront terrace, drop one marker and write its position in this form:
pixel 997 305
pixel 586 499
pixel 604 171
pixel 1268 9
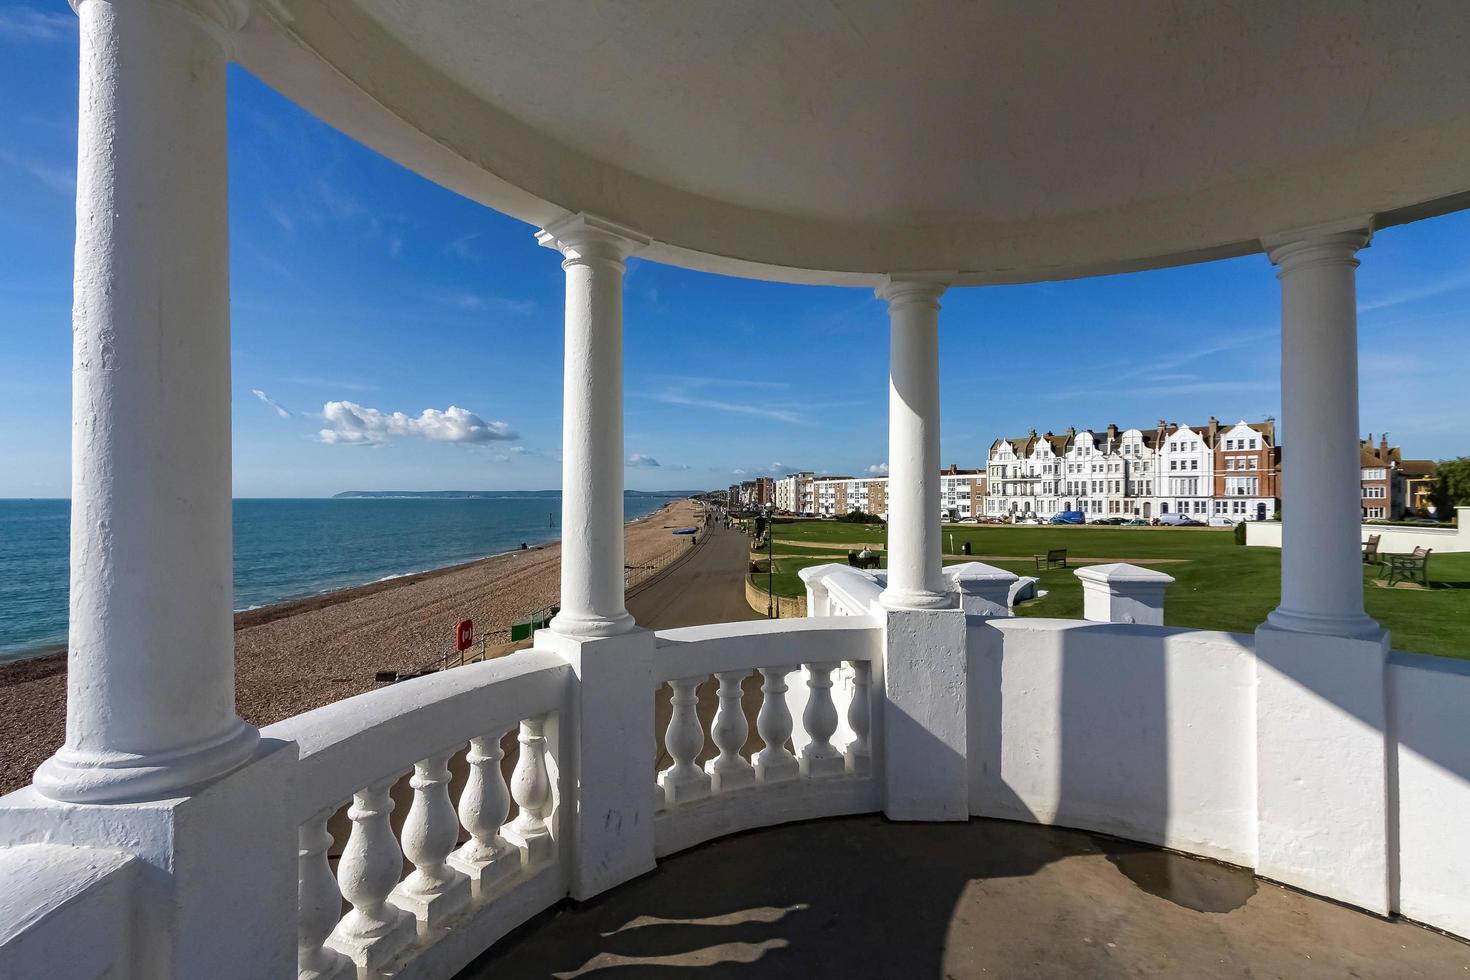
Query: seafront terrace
pixel 909 149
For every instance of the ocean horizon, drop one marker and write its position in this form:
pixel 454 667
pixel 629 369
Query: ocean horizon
pixel 288 548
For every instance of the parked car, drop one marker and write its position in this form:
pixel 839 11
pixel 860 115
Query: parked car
pixel 1138 522
pixel 1108 520
pixel 1068 517
pixel 1178 520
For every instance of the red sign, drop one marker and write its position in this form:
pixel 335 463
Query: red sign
pixel 464 634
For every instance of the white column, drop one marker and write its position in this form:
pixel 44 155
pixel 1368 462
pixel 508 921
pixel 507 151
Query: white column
pixel 1321 566
pixel 915 566
pixel 150 683
pixel 592 425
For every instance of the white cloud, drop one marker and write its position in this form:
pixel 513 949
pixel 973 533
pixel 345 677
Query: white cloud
pixel 878 469
pixel 28 24
pixel 639 459
pixel 267 399
pixel 331 383
pixel 352 424
pixel 789 415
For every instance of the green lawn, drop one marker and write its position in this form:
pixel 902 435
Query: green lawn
pixel 1218 584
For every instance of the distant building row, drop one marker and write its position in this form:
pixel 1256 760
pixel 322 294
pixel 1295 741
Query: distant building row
pixel 1211 473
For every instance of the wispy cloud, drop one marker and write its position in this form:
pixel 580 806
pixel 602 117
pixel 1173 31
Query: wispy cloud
pixel 878 469
pixel 351 424
pixel 789 415
pixel 642 460
pixel 331 383
pixel 283 413
pixel 29 24
pixel 1435 287
pixel 462 248
pixel 468 302
pixel 281 217
pixel 62 180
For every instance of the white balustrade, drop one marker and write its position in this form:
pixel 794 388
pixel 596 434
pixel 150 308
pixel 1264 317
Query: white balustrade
pixel 774 763
pixel 684 781
pixel 860 720
pixel 435 890
pixel 319 905
pixel 486 858
pixel 820 757
pixel 374 931
pixel 530 787
pixel 729 771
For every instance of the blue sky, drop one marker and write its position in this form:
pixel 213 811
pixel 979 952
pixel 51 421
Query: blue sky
pixel 355 281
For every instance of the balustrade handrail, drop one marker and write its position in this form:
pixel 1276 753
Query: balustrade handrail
pixel 703 650
pixel 349 743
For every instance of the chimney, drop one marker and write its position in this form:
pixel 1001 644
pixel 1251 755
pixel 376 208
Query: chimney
pixel 1384 443
pixel 1033 433
pixel 1214 431
pixel 1112 432
pixel 1071 432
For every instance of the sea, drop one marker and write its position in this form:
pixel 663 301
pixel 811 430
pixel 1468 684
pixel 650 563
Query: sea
pixel 284 549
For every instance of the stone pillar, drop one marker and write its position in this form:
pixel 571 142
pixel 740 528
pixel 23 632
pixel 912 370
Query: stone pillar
pixel 592 425
pixel 1321 563
pixel 1123 593
pixel 915 565
pixel 150 682
pixel 984 590
pixel 1322 784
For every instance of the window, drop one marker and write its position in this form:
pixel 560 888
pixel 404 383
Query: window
pixel 1194 464
pixel 1254 463
pixel 1229 444
pixel 1173 464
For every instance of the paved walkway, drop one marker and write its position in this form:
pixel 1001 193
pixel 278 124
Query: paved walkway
pixel 861 897
pixel 706 587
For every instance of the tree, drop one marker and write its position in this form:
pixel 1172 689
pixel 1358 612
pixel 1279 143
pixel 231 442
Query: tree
pixel 1451 486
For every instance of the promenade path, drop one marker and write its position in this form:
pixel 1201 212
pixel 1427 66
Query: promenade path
pixel 706 587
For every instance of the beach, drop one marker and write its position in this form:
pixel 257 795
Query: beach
pixel 300 655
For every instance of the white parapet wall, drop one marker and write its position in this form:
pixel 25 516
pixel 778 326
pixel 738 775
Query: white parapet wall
pixel 1393 538
pixel 1152 734
pixel 1145 732
pixel 1427 699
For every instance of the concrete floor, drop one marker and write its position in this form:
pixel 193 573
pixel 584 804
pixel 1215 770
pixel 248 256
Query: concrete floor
pixel 861 897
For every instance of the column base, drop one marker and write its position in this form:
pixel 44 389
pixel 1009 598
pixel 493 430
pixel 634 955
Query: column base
pixel 892 598
pixel 431 911
pixel 486 872
pixel 70 776
pixel 591 627
pixel 1359 626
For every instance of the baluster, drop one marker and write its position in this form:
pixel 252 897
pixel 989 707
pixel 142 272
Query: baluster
pixel 373 932
pixel 859 719
pixel 820 757
pixel 728 771
pixel 530 787
pixel 434 891
pixel 319 905
pixel 486 857
pixel 774 763
pixel 684 780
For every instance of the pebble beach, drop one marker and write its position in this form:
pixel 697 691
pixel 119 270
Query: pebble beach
pixel 301 655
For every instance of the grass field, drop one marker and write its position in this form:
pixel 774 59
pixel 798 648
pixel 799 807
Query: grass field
pixel 1218 584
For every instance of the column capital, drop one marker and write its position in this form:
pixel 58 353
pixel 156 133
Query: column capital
pixel 582 237
pixel 1329 244
pixel 914 287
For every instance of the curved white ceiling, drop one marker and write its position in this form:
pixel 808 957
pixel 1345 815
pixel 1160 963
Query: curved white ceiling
pixel 1004 139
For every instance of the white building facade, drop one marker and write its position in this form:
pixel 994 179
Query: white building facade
pixel 1208 473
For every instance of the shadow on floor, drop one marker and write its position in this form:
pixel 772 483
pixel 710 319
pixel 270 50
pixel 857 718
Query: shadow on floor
pixel 862 897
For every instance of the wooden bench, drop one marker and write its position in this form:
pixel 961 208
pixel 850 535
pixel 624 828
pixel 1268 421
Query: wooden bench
pixel 1408 568
pixel 1370 550
pixel 1055 558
